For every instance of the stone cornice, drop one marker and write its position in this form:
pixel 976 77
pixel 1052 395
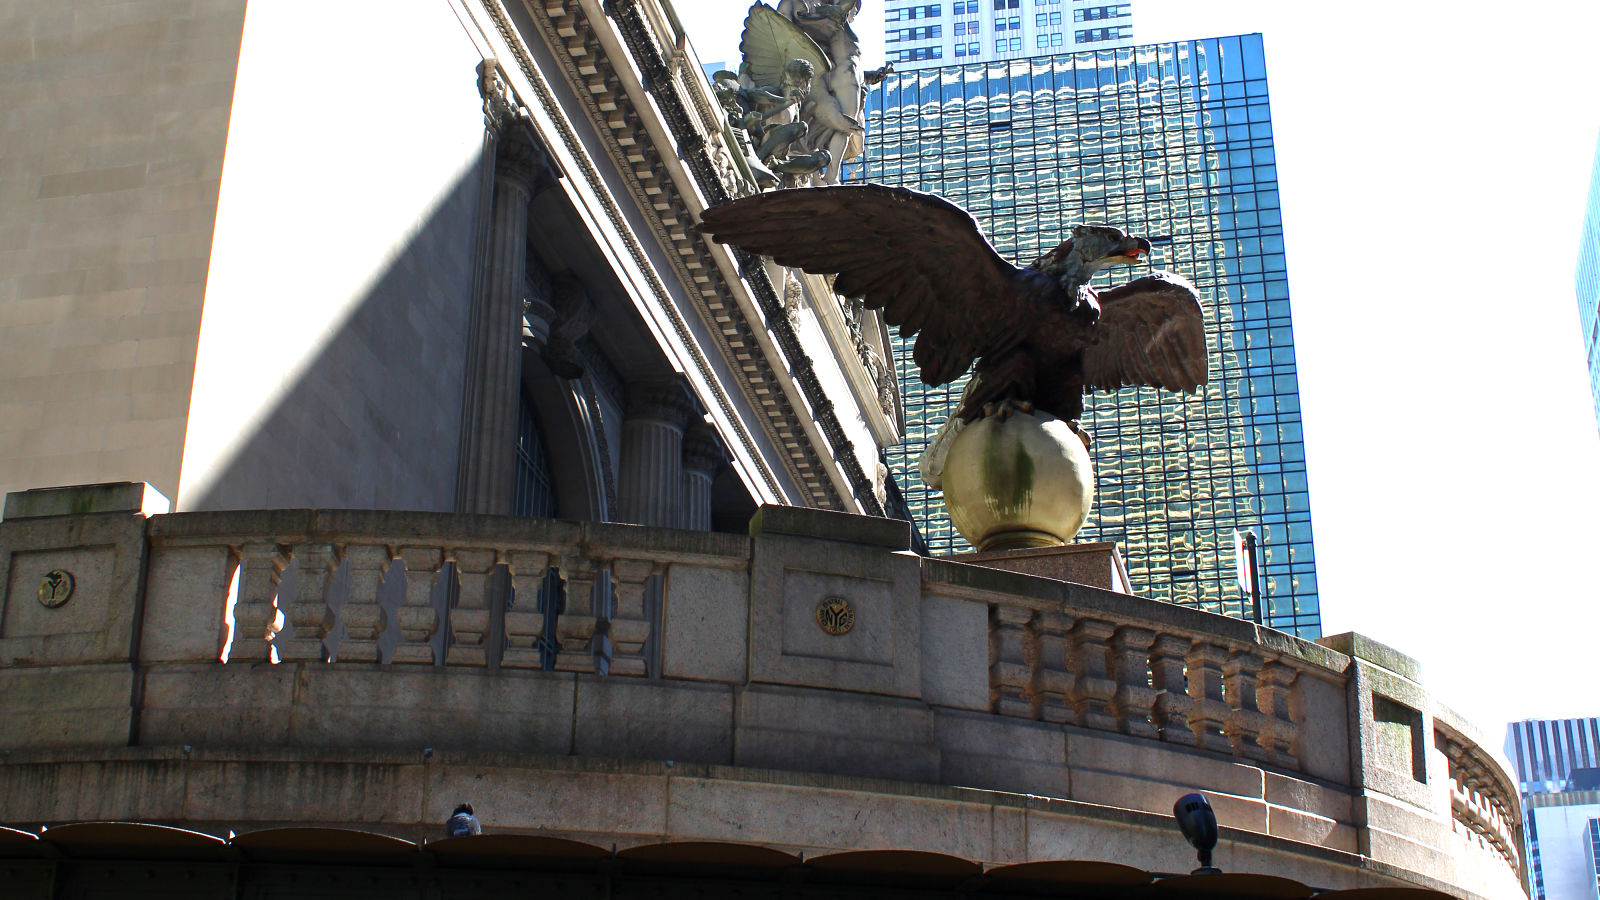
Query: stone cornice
pixel 567 28
pixel 513 40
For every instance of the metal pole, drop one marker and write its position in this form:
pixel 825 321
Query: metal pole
pixel 1255 577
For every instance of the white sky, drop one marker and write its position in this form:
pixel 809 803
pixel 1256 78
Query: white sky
pixel 1433 161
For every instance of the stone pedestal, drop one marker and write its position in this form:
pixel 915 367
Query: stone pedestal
pixel 1098 564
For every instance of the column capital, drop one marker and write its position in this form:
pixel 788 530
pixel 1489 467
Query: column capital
pixel 519 155
pixel 702 451
pixel 665 401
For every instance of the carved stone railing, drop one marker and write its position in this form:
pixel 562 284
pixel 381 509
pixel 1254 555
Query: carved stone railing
pixel 334 586
pixel 374 632
pixel 1483 800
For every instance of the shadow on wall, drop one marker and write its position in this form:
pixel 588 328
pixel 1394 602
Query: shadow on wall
pixel 371 420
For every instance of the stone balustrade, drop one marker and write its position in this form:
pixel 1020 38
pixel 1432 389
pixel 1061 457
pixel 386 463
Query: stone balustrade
pixel 817 644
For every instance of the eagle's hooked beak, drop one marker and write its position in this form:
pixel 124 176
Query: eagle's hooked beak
pixel 1141 247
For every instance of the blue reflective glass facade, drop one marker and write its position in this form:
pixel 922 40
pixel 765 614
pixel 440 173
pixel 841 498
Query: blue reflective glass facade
pixel 1173 142
pixel 1588 284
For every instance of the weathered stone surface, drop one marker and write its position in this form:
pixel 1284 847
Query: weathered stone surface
pixel 703 635
pixel 836 733
pixel 85 500
pixel 1097 564
pixel 983 751
pixel 955 653
pixel 631 719
pixel 822 524
pixel 790 578
pixel 1362 647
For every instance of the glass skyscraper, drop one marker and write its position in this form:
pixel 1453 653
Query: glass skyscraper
pixel 918 34
pixel 1172 142
pixel 1588 284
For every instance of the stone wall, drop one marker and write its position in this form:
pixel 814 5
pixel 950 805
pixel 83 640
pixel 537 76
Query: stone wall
pixel 342 274
pixel 112 124
pixel 286 647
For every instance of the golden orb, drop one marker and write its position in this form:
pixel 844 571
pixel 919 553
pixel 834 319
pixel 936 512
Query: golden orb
pixel 1020 481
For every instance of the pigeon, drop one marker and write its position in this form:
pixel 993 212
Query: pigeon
pixel 462 823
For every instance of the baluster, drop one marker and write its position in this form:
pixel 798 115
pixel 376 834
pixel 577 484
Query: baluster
pixel 1135 698
pixel 417 618
pixel 629 627
pixel 1278 737
pixel 311 616
pixel 575 628
pixel 469 620
pixel 1052 678
pixel 1013 655
pixel 255 613
pixel 1092 686
pixel 1245 723
pixel 362 614
pixel 524 621
pixel 1210 711
pixel 1170 714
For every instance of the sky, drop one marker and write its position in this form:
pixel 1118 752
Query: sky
pixel 1433 170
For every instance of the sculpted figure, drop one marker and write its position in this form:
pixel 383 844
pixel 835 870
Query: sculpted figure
pixel 1012 460
pixel 770 116
pixel 1041 337
pixel 821 34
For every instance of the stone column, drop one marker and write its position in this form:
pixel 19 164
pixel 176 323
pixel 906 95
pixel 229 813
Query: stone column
pixel 702 459
pixel 494 349
pixel 650 480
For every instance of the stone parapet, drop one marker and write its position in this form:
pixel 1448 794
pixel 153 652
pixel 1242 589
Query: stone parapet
pixel 815 647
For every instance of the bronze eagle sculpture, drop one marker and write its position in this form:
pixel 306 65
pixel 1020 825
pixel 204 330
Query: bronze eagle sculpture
pixel 1041 337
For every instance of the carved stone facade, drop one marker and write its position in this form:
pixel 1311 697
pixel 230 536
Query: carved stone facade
pixel 436 331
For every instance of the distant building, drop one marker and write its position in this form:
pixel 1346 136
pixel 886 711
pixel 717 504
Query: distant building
pixel 1173 142
pixel 1588 284
pixel 920 35
pixel 1558 774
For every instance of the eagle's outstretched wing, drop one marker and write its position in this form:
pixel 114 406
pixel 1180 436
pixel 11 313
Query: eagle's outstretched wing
pixel 1151 332
pixel 919 258
pixel 768 43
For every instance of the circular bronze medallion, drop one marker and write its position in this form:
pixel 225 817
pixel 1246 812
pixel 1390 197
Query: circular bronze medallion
pixel 835 615
pixel 55 589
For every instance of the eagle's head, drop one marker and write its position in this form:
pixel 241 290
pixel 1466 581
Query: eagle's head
pixel 1090 249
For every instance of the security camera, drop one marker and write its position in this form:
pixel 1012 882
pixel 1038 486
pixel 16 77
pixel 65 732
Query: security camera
pixel 1199 826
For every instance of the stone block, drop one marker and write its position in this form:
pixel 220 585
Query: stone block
pixel 1001 754
pixel 312 788
pixel 880 650
pixel 1093 563
pixel 1069 831
pixel 454 709
pixel 705 624
pixel 234 705
pixel 821 524
pixel 1317 799
pixel 834 732
pixel 1297 825
pixel 83 706
pixel 1161 765
pixel 955 653
pixel 1323 741
pixel 86 500
pixel 186 592
pixel 654 720
pixel 70 588
pixel 1360 646
pixel 820 817
pixel 1149 795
